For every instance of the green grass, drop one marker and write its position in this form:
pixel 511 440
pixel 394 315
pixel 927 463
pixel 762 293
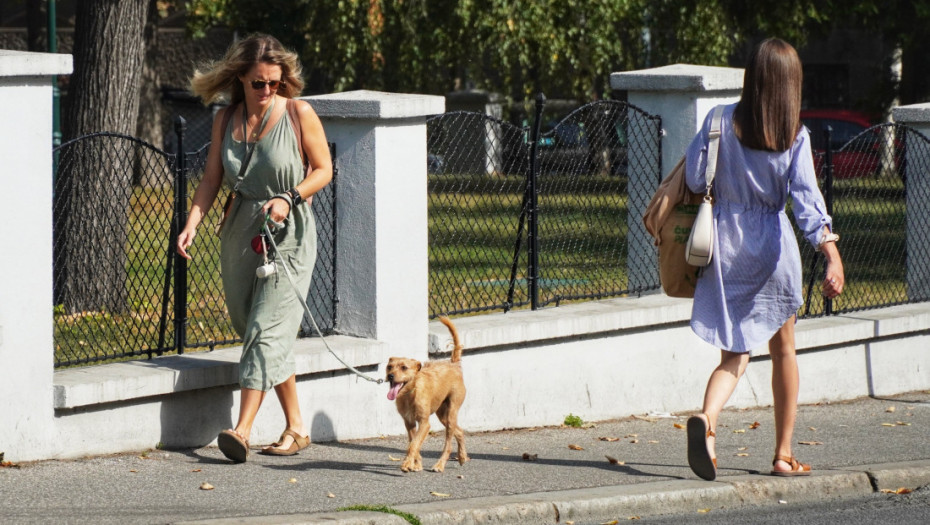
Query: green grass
pixel 473 225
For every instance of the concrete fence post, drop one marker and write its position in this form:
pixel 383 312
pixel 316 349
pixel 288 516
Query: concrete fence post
pixel 382 283
pixel 682 95
pixel 917 268
pixel 26 339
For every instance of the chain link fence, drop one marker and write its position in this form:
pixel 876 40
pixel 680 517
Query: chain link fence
pixel 880 202
pixel 522 217
pixel 117 205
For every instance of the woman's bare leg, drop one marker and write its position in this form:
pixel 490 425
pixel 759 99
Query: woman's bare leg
pixel 720 387
pixel 287 396
pixel 785 384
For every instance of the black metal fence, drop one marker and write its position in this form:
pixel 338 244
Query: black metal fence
pixel 525 216
pixel 117 206
pixel 876 190
pixel 520 217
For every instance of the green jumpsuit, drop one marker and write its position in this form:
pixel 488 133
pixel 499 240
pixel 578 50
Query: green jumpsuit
pixel 265 312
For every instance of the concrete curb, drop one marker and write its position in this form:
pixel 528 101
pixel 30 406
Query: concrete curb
pixel 625 501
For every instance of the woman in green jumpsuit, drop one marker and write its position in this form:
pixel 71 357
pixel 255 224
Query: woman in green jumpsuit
pixel 259 76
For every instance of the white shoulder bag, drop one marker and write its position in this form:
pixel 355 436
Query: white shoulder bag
pixel 700 247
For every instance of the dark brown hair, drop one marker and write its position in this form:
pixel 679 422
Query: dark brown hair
pixel 221 77
pixel 768 116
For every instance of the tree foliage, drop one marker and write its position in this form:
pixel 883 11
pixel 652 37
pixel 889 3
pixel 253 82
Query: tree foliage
pixel 567 48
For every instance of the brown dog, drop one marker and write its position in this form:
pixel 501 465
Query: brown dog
pixel 424 389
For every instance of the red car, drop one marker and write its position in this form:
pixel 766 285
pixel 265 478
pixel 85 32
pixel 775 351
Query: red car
pixel 858 147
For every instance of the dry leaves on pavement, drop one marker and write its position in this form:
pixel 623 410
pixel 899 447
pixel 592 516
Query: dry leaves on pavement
pixel 440 494
pixel 901 490
pixel 614 461
pixel 530 457
pixel 206 486
pixel 575 447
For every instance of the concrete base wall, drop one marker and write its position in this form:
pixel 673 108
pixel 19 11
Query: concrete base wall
pixel 600 360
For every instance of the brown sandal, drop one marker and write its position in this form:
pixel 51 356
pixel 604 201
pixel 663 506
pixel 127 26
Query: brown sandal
pixel 233 446
pixel 299 444
pixel 797 468
pixel 698 454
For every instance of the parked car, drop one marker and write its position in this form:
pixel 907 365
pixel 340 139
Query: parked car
pixel 858 146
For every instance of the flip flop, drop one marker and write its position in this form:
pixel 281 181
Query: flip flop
pixel 797 468
pixel 698 455
pixel 299 444
pixel 233 446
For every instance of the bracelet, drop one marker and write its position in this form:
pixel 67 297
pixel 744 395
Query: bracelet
pixel 295 196
pixel 284 197
pixel 827 237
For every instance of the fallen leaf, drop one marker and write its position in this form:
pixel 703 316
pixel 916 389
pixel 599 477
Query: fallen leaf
pixel 743 448
pixel 392 458
pixel 889 409
pixel 679 426
pixel 8 464
pixel 569 522
pixel 330 495
pixel 133 470
pixel 196 470
pixel 755 425
pixel 530 457
pixel 631 435
pixel 439 494
pixel 703 511
pixel 902 490
pixel 505 448
pixel 633 518
pixel 888 424
pixel 646 418
pixel 742 455
pixel 652 442
pixel 902 424
pixel 461 476
pixel 292 480
pixel 782 502
pixel 576 447
pixel 206 486
pixel 810 442
pixel 609 439
pixel 615 461
pixel 812 429
pixel 611 522
pixel 740 431
pixel 634 441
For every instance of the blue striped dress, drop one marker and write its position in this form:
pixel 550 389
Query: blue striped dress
pixel 753 283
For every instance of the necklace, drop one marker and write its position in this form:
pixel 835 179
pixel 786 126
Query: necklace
pixel 255 132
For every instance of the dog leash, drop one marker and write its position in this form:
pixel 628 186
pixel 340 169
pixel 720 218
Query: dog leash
pixel 303 302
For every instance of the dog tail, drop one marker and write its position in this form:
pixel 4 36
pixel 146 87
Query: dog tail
pixel 457 351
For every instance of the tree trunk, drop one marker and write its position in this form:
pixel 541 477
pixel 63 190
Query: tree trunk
pixel 93 186
pixel 150 126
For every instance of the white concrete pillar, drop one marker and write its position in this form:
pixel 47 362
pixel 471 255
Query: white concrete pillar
pixel 381 232
pixel 26 344
pixel 682 95
pixel 917 268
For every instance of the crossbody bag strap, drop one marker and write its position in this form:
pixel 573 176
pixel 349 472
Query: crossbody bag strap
pixel 713 147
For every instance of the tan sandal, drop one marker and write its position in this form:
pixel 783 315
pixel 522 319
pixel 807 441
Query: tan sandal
pixel 233 446
pixel 797 468
pixel 698 453
pixel 299 444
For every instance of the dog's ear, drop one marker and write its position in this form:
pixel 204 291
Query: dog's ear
pixel 419 366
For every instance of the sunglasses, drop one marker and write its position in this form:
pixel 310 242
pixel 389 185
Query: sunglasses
pixel 258 85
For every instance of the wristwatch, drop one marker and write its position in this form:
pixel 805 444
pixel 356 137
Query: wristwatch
pixel 295 196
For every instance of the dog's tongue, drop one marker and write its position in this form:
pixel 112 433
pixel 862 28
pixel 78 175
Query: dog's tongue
pixel 395 388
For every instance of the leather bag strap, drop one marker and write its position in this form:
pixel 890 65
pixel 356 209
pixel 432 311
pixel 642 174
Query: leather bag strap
pixel 713 146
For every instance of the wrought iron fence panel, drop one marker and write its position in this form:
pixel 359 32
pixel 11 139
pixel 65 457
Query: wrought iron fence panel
pixel 878 213
pixel 520 217
pixel 582 199
pixel 116 272
pixel 111 228
pixel 476 184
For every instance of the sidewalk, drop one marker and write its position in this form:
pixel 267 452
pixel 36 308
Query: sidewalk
pixel 855 448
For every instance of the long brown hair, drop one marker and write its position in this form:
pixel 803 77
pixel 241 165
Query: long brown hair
pixel 221 77
pixel 768 116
